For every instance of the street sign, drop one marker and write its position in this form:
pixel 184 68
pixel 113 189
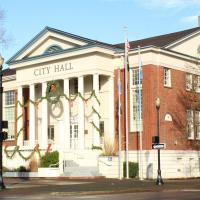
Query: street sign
pixel 158 146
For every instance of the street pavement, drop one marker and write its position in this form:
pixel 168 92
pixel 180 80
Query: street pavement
pixel 63 188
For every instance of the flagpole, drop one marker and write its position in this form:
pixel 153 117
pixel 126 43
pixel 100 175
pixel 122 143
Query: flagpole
pixel 119 122
pixel 126 106
pixel 140 116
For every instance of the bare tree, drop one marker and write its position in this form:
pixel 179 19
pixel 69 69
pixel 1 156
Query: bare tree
pixel 188 99
pixel 3 39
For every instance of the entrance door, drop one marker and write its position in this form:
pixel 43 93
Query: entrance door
pixel 73 136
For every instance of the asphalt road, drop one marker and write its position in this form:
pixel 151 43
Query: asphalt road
pixel 111 189
pixel 168 195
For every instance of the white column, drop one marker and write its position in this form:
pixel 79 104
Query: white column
pixel 61 146
pixel 32 115
pixel 44 133
pixel 111 108
pixel 81 117
pixel 20 132
pixel 66 116
pixel 96 106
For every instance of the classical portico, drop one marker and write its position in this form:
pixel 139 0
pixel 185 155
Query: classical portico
pixel 78 131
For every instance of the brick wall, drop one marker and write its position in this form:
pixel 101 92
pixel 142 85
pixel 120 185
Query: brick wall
pixel 171 133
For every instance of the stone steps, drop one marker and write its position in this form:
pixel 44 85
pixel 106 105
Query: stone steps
pixel 80 171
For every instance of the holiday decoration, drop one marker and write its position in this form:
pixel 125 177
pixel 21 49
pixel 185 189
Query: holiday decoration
pixel 53 92
pixel 53 95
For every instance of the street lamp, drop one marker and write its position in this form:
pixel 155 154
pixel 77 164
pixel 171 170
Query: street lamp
pixel 2 186
pixel 159 180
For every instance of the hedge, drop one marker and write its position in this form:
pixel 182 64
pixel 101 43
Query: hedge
pixel 133 169
pixel 49 159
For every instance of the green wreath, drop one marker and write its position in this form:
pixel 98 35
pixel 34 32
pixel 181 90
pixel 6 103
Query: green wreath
pixel 53 92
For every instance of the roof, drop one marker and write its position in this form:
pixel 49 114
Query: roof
pixel 161 40
pixel 46 29
pixel 9 72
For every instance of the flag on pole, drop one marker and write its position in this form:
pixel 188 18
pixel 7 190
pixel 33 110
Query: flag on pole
pixel 119 86
pixel 126 69
pixel 127 46
pixel 140 64
pixel 140 68
pixel 127 49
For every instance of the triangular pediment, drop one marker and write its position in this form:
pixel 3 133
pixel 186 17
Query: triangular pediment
pixel 49 41
pixel 188 45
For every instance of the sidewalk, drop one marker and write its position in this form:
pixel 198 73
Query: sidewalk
pixel 18 186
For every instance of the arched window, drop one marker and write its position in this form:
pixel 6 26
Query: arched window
pixel 168 117
pixel 53 49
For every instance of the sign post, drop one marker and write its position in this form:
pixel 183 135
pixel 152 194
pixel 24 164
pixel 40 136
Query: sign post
pixel 158 146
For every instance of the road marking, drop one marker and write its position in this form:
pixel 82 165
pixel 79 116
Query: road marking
pixel 190 190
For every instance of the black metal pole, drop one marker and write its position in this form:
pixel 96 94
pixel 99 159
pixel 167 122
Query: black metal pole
pixel 2 186
pixel 159 180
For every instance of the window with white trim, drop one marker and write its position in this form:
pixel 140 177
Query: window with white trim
pixel 190 127
pixel 188 82
pixel 135 100
pixel 197 84
pixel 9 109
pixel 167 77
pixel 51 134
pixel 197 124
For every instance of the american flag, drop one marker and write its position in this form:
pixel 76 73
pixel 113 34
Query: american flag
pixel 127 46
pixel 127 49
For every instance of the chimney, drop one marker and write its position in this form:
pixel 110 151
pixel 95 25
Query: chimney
pixel 199 21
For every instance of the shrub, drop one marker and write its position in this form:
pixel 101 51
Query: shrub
pixel 22 169
pixel 49 158
pixel 133 169
pixel 96 147
pixel 19 169
pixel 110 146
pixel 5 169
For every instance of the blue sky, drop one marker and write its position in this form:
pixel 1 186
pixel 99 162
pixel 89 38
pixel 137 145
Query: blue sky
pixel 95 19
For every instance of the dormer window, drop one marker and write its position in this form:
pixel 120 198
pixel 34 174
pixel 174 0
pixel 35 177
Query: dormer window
pixel 53 49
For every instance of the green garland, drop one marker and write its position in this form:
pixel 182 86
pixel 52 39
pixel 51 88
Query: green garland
pixel 53 92
pixel 52 97
pixel 94 110
pixel 98 129
pixel 36 149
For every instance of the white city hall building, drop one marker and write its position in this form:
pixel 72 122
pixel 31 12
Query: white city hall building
pixel 60 93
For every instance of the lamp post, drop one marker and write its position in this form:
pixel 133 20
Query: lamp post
pixel 2 186
pixel 159 180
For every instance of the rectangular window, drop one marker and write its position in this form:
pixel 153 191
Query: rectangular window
pixel 197 124
pixel 197 84
pixel 135 78
pixel 190 127
pixel 9 109
pixel 136 101
pixel 136 109
pixel 167 77
pixel 10 98
pixel 189 82
pixel 51 134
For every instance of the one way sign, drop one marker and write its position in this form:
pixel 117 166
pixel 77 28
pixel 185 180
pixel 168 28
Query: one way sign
pixel 158 146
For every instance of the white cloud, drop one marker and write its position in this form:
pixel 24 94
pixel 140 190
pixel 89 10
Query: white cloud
pixel 168 3
pixel 190 19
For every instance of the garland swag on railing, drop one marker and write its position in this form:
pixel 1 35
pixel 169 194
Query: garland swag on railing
pixel 53 95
